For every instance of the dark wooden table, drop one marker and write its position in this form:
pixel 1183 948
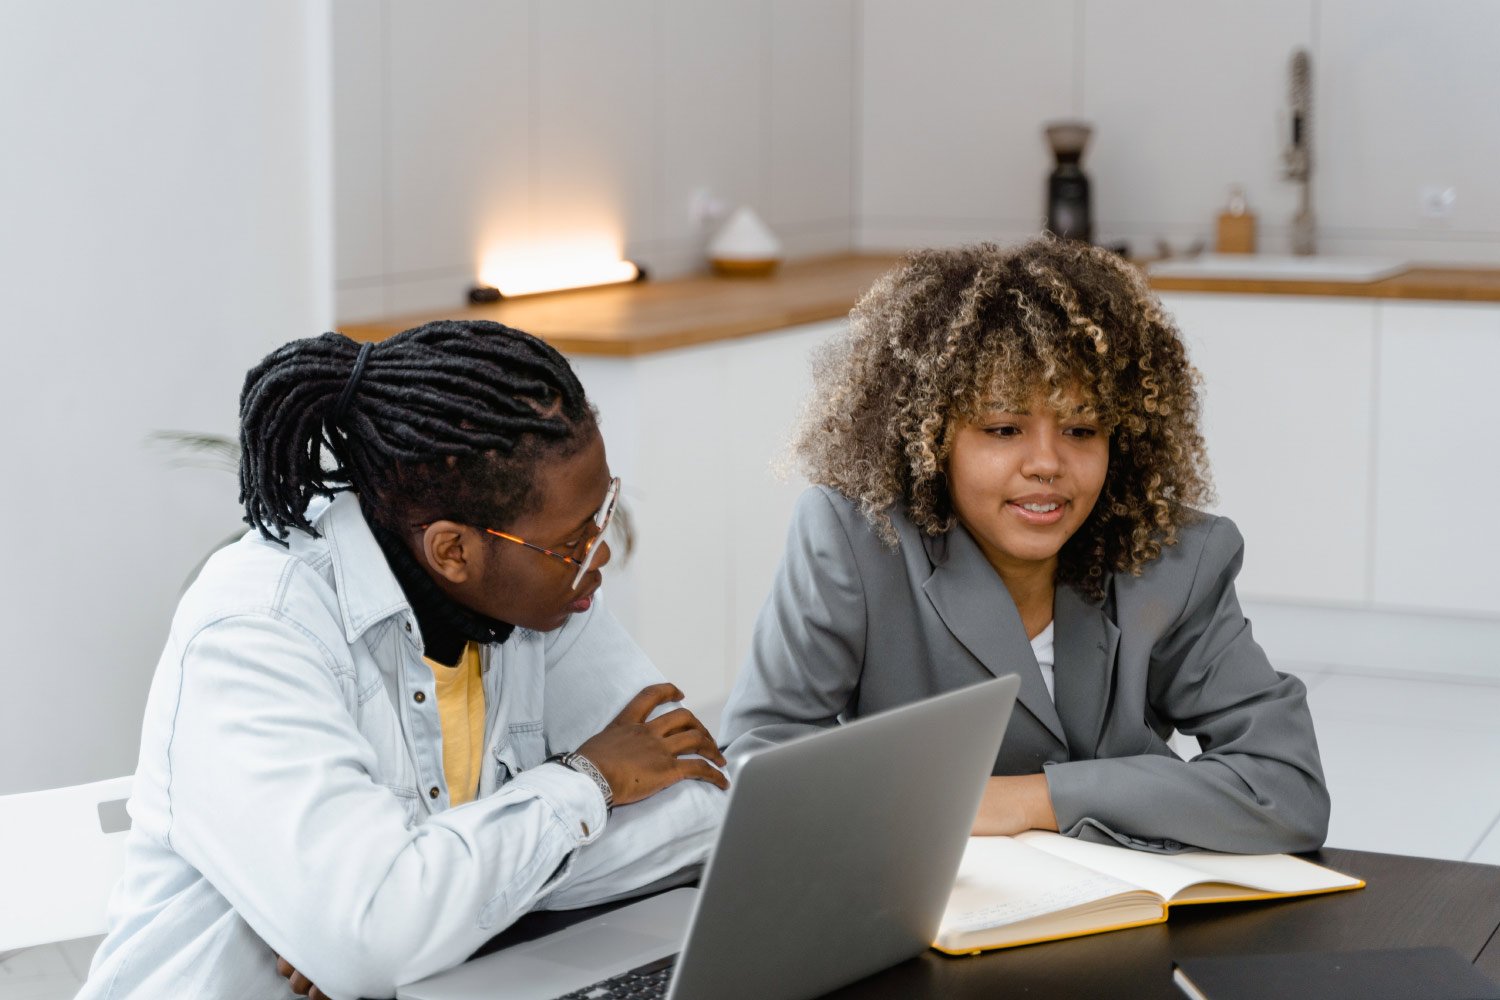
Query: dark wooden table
pixel 1407 902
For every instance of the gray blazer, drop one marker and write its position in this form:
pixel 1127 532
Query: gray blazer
pixel 852 627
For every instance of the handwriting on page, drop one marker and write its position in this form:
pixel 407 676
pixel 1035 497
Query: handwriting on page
pixel 1003 881
pixel 1025 903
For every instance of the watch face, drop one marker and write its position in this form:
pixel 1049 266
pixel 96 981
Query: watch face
pixel 575 761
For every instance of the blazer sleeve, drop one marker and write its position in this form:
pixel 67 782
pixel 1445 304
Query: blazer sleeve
pixel 808 644
pixel 1256 787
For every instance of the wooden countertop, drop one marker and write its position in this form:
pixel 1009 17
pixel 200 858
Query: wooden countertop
pixel 629 320
pixel 626 320
pixel 1454 284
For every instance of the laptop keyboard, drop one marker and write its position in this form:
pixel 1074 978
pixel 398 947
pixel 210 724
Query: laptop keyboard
pixel 648 982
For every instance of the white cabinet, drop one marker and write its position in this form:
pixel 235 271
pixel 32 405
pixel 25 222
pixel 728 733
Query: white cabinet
pixel 1437 485
pixel 1287 416
pixel 694 434
pixel 1352 440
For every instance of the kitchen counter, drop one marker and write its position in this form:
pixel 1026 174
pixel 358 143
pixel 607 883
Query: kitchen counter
pixel 643 318
pixel 1450 284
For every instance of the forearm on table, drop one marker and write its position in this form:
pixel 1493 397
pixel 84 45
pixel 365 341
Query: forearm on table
pixel 1232 803
pixel 1013 804
pixel 644 843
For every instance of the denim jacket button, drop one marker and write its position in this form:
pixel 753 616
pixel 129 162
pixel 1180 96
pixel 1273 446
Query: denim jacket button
pixel 419 697
pixel 408 626
pixel 432 792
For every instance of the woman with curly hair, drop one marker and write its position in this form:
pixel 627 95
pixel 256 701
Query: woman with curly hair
pixel 1006 459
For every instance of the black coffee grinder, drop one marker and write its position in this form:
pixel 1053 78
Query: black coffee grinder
pixel 1068 214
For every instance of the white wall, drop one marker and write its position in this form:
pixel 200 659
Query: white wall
pixel 467 128
pixel 1187 97
pixel 166 222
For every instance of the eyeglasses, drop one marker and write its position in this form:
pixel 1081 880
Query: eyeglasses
pixel 590 545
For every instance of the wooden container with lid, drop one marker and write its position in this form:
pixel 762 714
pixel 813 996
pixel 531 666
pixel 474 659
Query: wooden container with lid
pixel 1236 225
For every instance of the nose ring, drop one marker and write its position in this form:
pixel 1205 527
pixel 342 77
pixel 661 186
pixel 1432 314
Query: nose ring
pixel 1048 480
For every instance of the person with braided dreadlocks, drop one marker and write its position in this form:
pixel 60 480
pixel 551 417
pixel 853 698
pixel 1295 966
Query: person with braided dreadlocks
pixel 395 716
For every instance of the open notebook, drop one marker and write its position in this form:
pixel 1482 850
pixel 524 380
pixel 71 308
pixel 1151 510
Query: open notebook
pixel 1041 886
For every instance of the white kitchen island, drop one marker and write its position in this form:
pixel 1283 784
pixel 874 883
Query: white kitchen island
pixel 1348 426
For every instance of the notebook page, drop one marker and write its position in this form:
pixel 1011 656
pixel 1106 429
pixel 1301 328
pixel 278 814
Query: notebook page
pixel 1171 876
pixel 1267 872
pixel 1157 872
pixel 1003 881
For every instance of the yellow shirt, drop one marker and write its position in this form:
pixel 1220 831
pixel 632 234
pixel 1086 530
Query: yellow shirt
pixel 460 698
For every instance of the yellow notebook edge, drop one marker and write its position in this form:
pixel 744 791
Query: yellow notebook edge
pixel 1165 912
pixel 1052 937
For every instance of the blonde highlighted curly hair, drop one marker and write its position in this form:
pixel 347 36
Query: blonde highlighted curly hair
pixel 948 333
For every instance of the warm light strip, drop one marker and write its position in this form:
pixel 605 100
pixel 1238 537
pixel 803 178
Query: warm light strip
pixel 531 279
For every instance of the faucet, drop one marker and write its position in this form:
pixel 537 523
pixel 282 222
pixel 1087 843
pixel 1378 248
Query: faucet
pixel 1297 157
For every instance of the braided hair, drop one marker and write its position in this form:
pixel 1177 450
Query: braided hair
pixel 447 420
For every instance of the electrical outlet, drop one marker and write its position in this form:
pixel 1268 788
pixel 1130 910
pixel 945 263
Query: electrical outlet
pixel 1437 201
pixel 706 209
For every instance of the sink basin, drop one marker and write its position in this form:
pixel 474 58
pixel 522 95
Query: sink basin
pixel 1275 267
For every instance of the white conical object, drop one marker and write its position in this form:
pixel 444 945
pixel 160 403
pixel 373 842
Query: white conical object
pixel 744 237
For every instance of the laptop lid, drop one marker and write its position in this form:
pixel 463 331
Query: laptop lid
pixel 839 850
pixel 835 860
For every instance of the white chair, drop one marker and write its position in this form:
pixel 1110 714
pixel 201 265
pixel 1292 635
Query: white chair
pixel 61 853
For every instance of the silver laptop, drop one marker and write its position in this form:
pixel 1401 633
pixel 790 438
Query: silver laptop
pixel 836 858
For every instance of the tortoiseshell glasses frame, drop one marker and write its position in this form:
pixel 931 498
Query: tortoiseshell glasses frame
pixel 582 560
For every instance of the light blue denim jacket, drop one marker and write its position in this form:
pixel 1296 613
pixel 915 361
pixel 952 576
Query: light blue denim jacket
pixel 290 796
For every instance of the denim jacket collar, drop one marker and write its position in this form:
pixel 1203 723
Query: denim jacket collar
pixel 367 589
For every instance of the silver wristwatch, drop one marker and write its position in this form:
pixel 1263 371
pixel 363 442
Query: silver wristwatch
pixel 578 762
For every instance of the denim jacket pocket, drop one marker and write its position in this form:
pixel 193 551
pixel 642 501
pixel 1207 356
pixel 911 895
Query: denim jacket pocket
pixel 411 801
pixel 524 747
pixel 530 743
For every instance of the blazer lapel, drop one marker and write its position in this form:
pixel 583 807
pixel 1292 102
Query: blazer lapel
pixel 973 603
pixel 1084 644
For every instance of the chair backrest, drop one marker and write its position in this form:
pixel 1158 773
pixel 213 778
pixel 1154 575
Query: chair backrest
pixel 61 853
